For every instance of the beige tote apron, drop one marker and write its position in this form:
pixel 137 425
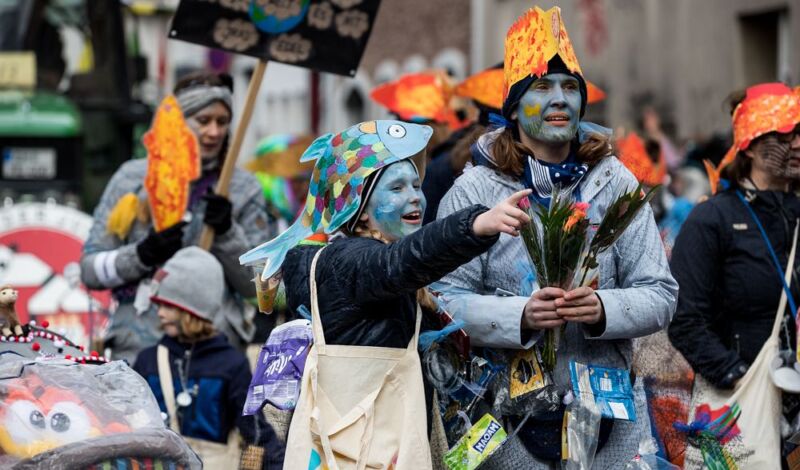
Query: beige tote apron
pixel 213 454
pixel 360 407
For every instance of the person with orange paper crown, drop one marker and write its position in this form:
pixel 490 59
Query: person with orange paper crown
pixel 543 145
pixel 137 227
pixel 362 400
pixel 732 252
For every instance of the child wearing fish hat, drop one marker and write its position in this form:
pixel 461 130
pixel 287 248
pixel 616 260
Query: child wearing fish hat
pixel 362 289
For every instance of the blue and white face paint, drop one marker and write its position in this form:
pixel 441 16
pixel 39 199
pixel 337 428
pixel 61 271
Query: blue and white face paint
pixel 550 110
pixel 396 204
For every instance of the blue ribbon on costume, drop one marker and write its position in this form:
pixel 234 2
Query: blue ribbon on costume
pixel 303 312
pixel 427 338
pixel 498 120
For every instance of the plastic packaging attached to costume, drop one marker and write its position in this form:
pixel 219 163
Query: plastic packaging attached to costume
pixel 580 435
pixel 56 414
pixel 483 439
pixel 280 367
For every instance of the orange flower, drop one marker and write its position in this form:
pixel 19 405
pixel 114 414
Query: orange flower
pixel 578 213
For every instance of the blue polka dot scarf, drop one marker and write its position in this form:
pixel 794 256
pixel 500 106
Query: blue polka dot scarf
pixel 543 178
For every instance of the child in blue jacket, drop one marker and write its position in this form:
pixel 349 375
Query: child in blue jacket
pixel 209 376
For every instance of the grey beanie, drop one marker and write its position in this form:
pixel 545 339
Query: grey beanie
pixel 192 280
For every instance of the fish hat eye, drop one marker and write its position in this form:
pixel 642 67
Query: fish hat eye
pixel 397 131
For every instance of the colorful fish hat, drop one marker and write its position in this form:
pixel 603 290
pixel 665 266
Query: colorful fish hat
pixel 537 44
pixel 767 107
pixel 633 154
pixel 343 162
pixel 421 98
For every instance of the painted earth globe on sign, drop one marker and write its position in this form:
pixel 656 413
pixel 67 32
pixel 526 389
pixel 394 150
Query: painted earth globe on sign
pixel 277 16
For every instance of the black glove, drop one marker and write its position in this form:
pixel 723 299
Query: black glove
pixel 219 212
pixel 158 247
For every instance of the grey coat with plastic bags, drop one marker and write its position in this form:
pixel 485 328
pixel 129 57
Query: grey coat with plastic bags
pixel 636 288
pixel 109 262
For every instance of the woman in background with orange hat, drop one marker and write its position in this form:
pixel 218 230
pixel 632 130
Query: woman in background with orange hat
pixel 725 264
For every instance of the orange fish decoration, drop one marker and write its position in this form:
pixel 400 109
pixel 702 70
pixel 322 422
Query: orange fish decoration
pixel 767 107
pixel 532 41
pixel 424 96
pixel 173 162
pixel 633 154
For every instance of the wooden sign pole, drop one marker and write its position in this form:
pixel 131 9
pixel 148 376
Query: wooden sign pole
pixel 207 236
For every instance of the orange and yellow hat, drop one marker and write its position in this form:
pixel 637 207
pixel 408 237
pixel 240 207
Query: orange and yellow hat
pixel 535 44
pixel 767 107
pixel 532 41
pixel 633 154
pixel 419 97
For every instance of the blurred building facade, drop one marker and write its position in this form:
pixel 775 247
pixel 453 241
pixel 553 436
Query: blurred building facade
pixel 682 57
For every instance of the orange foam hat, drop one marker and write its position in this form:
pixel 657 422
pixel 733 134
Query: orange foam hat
pixel 633 154
pixel 424 96
pixel 173 162
pixel 767 107
pixel 532 41
pixel 485 87
pixel 593 93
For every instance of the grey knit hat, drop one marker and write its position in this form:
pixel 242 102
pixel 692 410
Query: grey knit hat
pixel 192 280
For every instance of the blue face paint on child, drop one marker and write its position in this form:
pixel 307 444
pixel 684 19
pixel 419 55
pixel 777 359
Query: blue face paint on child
pixel 396 205
pixel 550 110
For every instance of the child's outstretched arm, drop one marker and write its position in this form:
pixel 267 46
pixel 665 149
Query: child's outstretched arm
pixel 376 271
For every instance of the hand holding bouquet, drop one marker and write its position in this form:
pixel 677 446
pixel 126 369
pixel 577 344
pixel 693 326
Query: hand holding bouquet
pixel 557 246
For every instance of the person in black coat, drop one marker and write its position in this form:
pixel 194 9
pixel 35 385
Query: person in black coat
pixel 369 277
pixel 729 285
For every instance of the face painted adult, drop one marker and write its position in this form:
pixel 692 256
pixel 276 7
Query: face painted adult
pixel 549 112
pixel 775 159
pixel 397 203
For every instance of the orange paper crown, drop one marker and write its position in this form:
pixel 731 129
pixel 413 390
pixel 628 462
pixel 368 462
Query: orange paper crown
pixel 173 162
pixel 419 96
pixel 532 41
pixel 633 154
pixel 767 107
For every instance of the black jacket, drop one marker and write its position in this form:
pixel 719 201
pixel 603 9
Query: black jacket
pixel 221 375
pixel 729 286
pixel 367 289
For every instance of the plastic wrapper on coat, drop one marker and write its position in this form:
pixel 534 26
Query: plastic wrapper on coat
pixel 59 415
pixel 583 432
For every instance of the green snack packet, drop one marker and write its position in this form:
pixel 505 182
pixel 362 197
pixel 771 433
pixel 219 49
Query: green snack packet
pixel 476 445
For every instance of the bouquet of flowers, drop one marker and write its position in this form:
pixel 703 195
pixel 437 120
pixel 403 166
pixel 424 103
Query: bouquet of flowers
pixel 557 246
